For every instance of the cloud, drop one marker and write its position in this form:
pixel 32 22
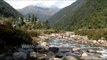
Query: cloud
pixel 18 4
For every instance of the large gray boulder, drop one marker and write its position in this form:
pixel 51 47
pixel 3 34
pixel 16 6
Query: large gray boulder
pixel 19 56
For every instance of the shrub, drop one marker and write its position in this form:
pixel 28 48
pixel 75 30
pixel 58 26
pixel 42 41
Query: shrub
pixel 93 33
pixel 13 37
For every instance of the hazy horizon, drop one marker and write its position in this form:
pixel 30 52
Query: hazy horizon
pixel 19 4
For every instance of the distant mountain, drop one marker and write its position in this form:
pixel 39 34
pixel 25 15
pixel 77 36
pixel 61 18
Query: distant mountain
pixel 81 14
pixel 40 12
pixel 7 11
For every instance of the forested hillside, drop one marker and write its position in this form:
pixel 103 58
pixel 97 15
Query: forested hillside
pixel 7 11
pixel 91 14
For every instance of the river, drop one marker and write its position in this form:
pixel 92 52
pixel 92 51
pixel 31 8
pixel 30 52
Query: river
pixel 100 51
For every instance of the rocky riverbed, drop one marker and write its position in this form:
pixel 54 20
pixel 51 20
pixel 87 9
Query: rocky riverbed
pixel 59 46
pixel 77 46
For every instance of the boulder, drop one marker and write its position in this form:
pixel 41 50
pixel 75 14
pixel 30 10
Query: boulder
pixel 69 58
pixel 27 51
pixel 19 56
pixel 8 58
pixel 2 56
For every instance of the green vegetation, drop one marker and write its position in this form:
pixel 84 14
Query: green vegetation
pixel 86 17
pixel 7 11
pixel 41 32
pixel 83 14
pixel 93 33
pixel 10 37
pixel 16 30
pixel 34 27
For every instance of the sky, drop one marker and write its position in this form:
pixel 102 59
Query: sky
pixel 19 4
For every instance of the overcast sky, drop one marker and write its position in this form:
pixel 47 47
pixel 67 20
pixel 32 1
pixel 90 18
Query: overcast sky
pixel 18 4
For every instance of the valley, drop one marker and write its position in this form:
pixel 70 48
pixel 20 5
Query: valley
pixel 75 32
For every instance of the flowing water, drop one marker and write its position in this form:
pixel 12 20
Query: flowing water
pixel 70 44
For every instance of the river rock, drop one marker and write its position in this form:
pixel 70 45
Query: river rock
pixel 33 54
pixel 90 58
pixel 29 50
pixel 101 41
pixel 8 58
pixel 43 44
pixel 94 41
pixel 19 56
pixel 2 56
pixel 76 49
pixel 53 49
pixel 41 56
pixel 69 58
pixel 84 54
pixel 21 50
pixel 57 59
pixel 59 55
pixel 49 54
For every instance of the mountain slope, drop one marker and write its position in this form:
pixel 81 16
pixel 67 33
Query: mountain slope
pixel 41 13
pixel 7 11
pixel 81 14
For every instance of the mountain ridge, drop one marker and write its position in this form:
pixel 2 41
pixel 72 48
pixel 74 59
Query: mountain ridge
pixel 81 14
pixel 42 13
pixel 7 11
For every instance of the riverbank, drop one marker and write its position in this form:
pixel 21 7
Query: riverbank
pixel 59 46
pixel 70 36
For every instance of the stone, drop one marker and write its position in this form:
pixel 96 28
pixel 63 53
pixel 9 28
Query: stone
pixel 90 58
pixel 2 56
pixel 50 54
pixel 94 41
pixel 51 58
pixel 19 56
pixel 43 44
pixel 76 49
pixel 57 59
pixel 84 54
pixel 30 50
pixel 69 58
pixel 41 56
pixel 53 35
pixel 59 55
pixel 9 58
pixel 33 54
pixel 21 50
pixel 53 49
